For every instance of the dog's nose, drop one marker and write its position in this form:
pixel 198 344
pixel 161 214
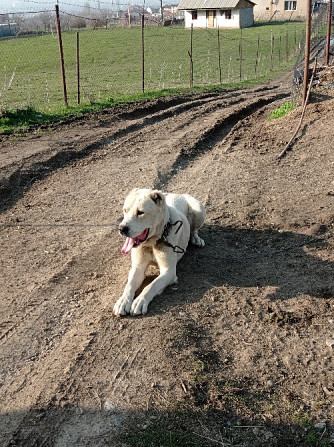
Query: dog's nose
pixel 124 229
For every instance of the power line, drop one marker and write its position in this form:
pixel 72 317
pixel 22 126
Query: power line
pixel 36 2
pixel 113 5
pixel 29 12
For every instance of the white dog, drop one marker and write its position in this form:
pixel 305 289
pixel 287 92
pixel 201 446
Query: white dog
pixel 157 227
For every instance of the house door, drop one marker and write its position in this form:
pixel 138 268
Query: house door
pixel 211 15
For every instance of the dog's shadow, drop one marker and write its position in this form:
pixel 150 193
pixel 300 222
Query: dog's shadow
pixel 287 262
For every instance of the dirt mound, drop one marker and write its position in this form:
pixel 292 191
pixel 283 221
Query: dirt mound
pixel 240 351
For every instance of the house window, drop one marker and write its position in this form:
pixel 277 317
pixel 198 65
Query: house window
pixel 193 15
pixel 290 6
pixel 228 14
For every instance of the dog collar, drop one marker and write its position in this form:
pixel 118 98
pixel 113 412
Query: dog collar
pixel 165 234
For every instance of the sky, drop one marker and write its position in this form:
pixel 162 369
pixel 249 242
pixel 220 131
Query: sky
pixel 66 5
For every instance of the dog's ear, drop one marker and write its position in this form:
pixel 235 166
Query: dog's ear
pixel 157 197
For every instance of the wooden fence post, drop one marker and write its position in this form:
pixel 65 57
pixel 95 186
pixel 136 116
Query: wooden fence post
pixel 129 17
pixel 61 55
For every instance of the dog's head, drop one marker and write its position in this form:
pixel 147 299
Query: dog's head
pixel 143 211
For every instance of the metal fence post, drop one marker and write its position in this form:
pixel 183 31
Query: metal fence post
pixel 219 56
pixel 240 55
pixel 271 51
pixel 78 69
pixel 61 55
pixel 191 57
pixel 257 55
pixel 143 52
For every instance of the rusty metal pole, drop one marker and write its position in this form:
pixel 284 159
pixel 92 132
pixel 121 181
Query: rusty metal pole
pixel 307 49
pixel 240 55
pixel 78 69
pixel 272 42
pixel 328 42
pixel 257 55
pixel 61 55
pixel 219 57
pixel 143 53
pixel 191 59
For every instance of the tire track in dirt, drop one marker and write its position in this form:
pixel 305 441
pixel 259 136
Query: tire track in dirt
pixel 217 133
pixel 16 179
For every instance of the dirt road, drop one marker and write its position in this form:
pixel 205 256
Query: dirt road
pixel 240 351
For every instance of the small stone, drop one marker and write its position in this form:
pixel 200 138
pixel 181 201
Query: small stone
pixel 330 342
pixel 320 425
pixel 108 406
pixel 268 435
pixel 79 410
pixel 118 421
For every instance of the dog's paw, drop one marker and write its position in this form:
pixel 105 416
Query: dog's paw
pixel 122 306
pixel 139 306
pixel 196 240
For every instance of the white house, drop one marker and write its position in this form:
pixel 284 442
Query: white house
pixel 217 13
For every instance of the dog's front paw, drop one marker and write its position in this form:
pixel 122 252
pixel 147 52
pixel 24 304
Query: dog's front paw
pixel 139 306
pixel 122 306
pixel 196 240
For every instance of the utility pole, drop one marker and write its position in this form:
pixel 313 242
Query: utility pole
pixel 328 42
pixel 307 48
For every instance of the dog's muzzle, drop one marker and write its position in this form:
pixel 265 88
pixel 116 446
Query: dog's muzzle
pixel 124 230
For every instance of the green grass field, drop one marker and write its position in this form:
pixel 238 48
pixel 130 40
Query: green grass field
pixel 111 62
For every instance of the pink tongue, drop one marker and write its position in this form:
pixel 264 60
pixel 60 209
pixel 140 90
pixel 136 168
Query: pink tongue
pixel 130 242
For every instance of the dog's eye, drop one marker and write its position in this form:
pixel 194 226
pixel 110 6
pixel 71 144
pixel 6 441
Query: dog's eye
pixel 140 213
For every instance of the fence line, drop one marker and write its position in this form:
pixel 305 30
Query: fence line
pixel 115 62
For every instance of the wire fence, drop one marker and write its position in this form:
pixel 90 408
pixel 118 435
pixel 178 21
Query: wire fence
pixel 104 62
